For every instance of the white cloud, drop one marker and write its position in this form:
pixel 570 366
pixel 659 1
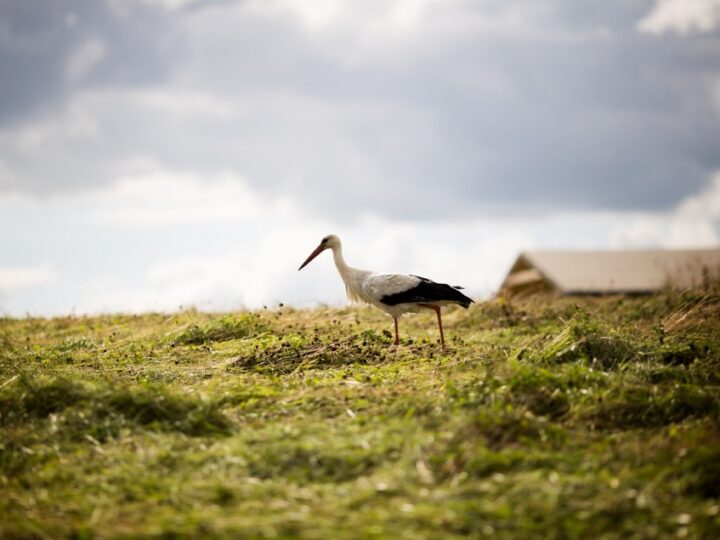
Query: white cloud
pixel 92 114
pixel 209 282
pixel 694 222
pixel 387 15
pixel 157 197
pixel 682 17
pixel 164 198
pixel 122 8
pixel 704 205
pixel 168 4
pixel 174 101
pixel 316 14
pixel 15 277
pixel 85 58
pixel 75 123
pixel 7 176
pixel 373 28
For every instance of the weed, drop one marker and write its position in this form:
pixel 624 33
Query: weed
pixel 551 417
pixel 92 406
pixel 37 398
pixel 633 406
pixel 224 329
pixel 296 352
pixel 585 338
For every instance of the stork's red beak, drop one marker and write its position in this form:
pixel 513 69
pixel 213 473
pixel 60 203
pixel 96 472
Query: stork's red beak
pixel 318 251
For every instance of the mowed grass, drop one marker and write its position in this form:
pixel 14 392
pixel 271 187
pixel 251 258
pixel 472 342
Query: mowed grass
pixel 549 418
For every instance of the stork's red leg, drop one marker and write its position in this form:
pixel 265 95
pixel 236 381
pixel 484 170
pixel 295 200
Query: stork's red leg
pixel 436 309
pixel 397 334
pixel 442 336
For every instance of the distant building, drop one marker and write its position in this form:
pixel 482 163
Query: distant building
pixel 611 272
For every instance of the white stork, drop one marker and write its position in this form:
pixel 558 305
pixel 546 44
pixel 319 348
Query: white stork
pixel 395 294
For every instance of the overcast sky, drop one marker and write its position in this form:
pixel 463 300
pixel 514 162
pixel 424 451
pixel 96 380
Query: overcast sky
pixel 166 153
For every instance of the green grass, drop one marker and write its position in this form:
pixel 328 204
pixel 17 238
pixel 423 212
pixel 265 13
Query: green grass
pixel 549 418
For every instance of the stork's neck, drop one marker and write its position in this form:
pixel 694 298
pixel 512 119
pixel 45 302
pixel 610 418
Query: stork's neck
pixel 347 272
pixel 340 263
pixel 352 277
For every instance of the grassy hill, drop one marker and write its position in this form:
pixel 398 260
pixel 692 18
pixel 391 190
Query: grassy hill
pixel 552 418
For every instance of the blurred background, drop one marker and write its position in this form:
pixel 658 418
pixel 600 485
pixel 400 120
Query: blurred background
pixel 158 154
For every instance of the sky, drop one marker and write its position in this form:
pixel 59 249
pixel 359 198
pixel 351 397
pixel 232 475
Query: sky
pixel 158 155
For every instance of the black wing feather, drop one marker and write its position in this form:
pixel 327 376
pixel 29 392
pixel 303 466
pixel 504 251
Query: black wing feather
pixel 427 291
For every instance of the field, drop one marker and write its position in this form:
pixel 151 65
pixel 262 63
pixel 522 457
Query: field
pixel 548 418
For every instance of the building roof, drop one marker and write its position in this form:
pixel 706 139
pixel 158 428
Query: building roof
pixel 608 272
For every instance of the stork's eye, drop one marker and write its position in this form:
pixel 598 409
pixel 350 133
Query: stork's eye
pixel 325 240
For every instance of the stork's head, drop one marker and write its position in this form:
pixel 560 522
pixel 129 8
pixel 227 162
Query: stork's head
pixel 329 242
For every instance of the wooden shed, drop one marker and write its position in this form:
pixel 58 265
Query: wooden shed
pixel 611 272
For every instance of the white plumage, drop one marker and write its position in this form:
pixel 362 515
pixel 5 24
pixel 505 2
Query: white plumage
pixel 395 294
